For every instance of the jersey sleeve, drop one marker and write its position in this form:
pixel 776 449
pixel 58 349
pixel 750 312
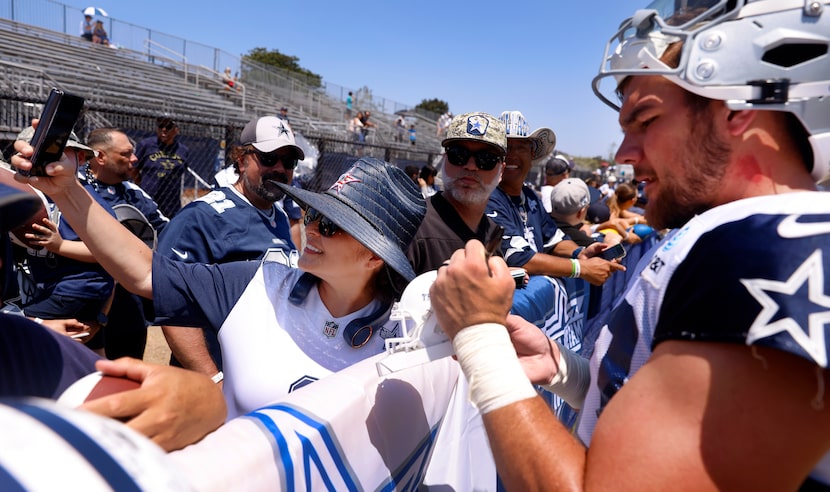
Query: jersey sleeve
pixel 195 294
pixel 766 291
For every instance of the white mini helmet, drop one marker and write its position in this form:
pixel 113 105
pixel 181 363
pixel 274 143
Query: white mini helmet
pixel 753 54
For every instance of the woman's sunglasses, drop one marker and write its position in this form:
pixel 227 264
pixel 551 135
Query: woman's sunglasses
pixel 271 159
pixel 458 156
pixel 326 227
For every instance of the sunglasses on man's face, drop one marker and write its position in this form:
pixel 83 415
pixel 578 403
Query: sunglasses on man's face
pixel 458 156
pixel 326 227
pixel 271 159
pixel 167 127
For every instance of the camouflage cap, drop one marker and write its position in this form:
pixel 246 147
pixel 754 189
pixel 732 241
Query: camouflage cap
pixel 73 142
pixel 480 127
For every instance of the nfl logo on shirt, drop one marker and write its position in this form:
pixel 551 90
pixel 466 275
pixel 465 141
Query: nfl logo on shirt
pixel 330 329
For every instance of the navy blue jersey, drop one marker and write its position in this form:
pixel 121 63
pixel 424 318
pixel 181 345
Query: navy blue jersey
pixel 56 275
pixel 161 169
pixel 749 272
pixel 528 229
pixel 223 226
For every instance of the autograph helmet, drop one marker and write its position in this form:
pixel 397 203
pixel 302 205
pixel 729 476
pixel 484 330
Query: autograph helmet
pixel 753 54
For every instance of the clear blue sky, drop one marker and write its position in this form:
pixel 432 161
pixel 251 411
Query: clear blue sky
pixel 537 57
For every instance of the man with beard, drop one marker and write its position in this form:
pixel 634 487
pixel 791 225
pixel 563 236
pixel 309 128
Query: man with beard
pixel 475 147
pixel 710 372
pixel 238 222
pixel 161 162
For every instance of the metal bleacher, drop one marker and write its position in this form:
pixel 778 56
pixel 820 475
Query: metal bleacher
pixel 158 80
pixel 34 59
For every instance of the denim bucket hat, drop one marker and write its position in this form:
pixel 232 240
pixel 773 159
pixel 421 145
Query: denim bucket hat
pixel 377 204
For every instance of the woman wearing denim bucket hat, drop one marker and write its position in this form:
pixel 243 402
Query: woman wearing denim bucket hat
pixel 279 328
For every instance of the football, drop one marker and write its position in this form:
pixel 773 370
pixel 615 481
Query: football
pixel 18 234
pixel 94 386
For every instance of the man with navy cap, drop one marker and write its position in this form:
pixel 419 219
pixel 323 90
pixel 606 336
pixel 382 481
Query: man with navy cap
pixel 162 161
pixel 238 222
pixel 557 168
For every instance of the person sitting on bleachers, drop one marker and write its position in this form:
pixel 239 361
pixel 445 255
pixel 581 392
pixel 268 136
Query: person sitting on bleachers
pixel 99 34
pixel 86 28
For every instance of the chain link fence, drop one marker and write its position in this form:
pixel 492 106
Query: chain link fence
pixel 209 146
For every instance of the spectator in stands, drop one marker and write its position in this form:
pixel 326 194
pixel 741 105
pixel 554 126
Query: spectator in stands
pixel 99 34
pixel 86 27
pixel 356 127
pixel 400 129
pixel 472 165
pixel 229 79
pixel 412 172
pixel 243 221
pixel 557 168
pixel 443 124
pixel 284 114
pixel 108 173
pixel 619 205
pixel 64 281
pixel 413 136
pixel 280 327
pixel 426 180
pixel 531 238
pixel 607 188
pixel 367 123
pixel 349 103
pixel 162 161
pixel 569 201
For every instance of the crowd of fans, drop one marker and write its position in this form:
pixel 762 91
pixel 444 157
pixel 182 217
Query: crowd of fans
pixel 265 288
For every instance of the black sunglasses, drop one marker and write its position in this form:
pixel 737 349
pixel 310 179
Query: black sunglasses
pixel 271 159
pixel 458 156
pixel 326 227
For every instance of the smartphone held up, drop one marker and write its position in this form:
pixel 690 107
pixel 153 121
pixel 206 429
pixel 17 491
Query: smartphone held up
pixel 57 119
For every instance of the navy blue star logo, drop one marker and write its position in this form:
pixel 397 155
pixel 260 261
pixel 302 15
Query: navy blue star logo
pixel 283 129
pixel 808 332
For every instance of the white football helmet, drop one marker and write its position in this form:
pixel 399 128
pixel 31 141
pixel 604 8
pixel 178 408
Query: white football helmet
pixel 753 54
pixel 422 340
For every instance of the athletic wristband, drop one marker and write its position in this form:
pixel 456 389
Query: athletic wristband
pixel 489 361
pixel 573 376
pixel 218 377
pixel 576 269
pixel 576 252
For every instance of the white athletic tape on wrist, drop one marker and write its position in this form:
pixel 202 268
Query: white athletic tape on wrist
pixel 489 361
pixel 572 379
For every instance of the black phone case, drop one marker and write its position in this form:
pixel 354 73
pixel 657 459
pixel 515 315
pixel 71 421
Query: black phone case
pixel 57 119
